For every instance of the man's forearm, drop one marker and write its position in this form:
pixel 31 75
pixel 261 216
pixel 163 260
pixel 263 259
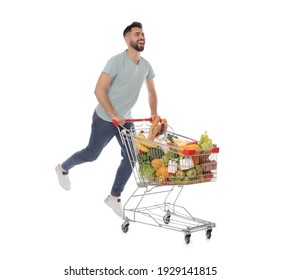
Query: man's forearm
pixel 105 103
pixel 152 100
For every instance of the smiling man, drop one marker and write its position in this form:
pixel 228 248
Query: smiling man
pixel 117 92
pixel 135 37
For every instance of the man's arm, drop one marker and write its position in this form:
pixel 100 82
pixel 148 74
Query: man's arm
pixel 152 96
pixel 101 94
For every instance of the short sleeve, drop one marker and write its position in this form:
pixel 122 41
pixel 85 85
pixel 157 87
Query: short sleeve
pixel 150 74
pixel 111 68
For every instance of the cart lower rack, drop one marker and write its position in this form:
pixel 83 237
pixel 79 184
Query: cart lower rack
pixel 162 168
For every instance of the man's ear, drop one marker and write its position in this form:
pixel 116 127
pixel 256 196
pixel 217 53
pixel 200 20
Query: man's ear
pixel 127 38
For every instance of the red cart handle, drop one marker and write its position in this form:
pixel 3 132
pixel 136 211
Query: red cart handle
pixel 115 122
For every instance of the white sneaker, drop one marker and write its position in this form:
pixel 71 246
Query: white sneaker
pixel 63 178
pixel 115 205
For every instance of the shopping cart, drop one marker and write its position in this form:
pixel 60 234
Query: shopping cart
pixel 162 168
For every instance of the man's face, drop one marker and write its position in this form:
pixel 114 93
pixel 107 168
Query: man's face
pixel 136 39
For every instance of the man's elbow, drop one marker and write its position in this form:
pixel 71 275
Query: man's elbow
pixel 97 92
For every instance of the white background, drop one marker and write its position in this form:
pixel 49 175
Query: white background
pixel 217 66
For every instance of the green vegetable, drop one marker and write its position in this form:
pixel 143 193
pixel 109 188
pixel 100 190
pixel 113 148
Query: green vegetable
pixel 170 137
pixel 186 181
pixel 146 170
pixel 198 169
pixel 180 174
pixel 171 154
pixel 191 173
pixel 143 158
pixel 155 153
pixel 205 142
pixel 165 160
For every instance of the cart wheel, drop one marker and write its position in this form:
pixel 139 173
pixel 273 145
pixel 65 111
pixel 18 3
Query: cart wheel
pixel 125 227
pixel 187 238
pixel 166 218
pixel 209 233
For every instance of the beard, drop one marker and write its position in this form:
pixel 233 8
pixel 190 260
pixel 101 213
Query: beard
pixel 137 47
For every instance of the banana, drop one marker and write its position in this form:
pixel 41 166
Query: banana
pixel 140 146
pixel 147 143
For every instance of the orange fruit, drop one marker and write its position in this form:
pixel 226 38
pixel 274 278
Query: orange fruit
pixel 163 171
pixel 156 163
pixel 194 147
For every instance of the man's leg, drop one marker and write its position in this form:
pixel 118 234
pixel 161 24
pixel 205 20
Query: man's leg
pixel 123 174
pixel 102 132
pixel 124 170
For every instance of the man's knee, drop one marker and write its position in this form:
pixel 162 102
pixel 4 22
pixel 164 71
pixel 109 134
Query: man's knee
pixel 89 156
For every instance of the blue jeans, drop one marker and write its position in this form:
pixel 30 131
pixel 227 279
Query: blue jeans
pixel 102 132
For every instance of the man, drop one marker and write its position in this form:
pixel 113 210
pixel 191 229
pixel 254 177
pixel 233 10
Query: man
pixel 117 91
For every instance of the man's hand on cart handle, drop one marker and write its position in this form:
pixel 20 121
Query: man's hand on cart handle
pixel 117 120
pixel 155 117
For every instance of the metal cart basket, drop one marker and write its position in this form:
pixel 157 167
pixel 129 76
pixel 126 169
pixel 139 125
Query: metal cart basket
pixel 162 168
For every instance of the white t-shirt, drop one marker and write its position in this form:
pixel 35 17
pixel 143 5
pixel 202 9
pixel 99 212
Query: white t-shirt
pixel 127 80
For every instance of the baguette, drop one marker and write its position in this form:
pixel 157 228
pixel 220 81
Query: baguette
pixel 153 131
pixel 163 127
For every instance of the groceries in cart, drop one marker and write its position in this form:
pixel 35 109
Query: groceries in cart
pixel 165 157
pixel 162 162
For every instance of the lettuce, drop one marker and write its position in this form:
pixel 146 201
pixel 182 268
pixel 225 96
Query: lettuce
pixel 146 170
pixel 205 142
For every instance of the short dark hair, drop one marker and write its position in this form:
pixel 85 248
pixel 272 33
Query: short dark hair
pixel 132 25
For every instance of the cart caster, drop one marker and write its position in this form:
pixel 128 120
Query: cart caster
pixel 125 226
pixel 166 218
pixel 209 233
pixel 187 238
